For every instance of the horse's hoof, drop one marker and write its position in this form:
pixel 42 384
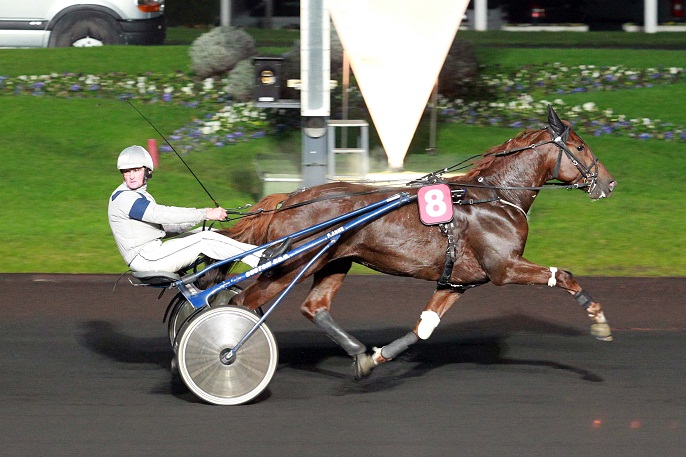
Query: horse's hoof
pixel 364 364
pixel 601 332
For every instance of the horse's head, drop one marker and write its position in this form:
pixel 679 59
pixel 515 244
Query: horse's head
pixel 575 163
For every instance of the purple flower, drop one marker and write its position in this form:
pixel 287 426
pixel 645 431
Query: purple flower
pixel 75 88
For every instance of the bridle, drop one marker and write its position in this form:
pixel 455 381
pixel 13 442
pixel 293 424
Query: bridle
pixel 588 174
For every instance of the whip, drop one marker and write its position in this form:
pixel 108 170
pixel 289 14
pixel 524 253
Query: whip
pixel 175 152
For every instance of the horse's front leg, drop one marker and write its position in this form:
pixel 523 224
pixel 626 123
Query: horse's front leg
pixel 600 328
pixel 440 303
pixel 526 272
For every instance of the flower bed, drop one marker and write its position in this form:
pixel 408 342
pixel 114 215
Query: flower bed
pixel 521 99
pixel 518 99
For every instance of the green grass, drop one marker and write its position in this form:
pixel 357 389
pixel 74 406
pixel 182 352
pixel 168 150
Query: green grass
pixel 661 102
pixel 58 157
pixel 566 40
pixel 639 231
pixel 125 59
pixel 637 58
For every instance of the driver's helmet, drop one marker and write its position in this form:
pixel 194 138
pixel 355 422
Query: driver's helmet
pixel 134 157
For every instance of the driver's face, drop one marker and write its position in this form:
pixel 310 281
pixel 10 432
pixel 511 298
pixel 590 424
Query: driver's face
pixel 134 177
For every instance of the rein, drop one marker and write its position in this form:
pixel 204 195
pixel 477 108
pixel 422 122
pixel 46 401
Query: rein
pixel 587 177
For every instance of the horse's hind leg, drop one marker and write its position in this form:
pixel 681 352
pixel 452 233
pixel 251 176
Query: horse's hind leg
pixel 316 307
pixel 440 303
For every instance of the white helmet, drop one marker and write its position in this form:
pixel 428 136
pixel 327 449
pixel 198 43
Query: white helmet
pixel 134 157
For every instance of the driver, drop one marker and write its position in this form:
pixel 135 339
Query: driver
pixel 139 224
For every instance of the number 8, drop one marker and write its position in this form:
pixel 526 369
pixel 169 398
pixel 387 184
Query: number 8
pixel 435 206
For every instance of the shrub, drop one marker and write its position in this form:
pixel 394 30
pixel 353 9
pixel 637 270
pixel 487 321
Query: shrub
pixel 241 81
pixel 290 67
pixel 219 51
pixel 460 73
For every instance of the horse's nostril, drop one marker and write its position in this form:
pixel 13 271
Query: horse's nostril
pixel 612 185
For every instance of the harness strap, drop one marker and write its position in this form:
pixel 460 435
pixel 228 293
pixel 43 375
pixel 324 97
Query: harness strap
pixel 448 230
pixel 556 171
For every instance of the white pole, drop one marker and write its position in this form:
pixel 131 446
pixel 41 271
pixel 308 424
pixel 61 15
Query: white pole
pixel 225 12
pixel 481 15
pixel 650 16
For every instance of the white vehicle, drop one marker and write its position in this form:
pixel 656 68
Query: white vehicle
pixel 59 23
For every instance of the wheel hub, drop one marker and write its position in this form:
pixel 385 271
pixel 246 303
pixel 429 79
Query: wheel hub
pixel 227 356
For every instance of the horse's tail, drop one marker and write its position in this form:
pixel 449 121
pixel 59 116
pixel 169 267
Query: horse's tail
pixel 253 229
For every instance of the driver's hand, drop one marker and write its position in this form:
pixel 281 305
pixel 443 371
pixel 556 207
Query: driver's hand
pixel 215 214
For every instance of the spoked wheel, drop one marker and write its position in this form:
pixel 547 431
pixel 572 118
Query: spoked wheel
pixel 203 344
pixel 180 310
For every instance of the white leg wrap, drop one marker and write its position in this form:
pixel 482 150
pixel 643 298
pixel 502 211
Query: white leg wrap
pixel 377 357
pixel 428 323
pixel 552 281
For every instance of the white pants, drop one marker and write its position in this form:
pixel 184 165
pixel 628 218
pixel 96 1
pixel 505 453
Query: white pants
pixel 180 252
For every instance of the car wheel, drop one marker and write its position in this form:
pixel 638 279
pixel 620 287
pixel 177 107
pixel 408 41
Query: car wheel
pixel 86 29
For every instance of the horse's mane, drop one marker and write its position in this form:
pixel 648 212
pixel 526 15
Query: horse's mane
pixel 521 140
pixel 246 229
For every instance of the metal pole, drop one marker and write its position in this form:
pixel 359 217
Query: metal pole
pixel 650 16
pixel 225 13
pixel 269 14
pixel 315 100
pixel 346 85
pixel 432 128
pixel 481 15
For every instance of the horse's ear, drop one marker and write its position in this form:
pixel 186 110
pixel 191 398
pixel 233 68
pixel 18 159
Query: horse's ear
pixel 554 121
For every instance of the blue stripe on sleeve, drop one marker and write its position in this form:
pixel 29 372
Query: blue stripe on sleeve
pixel 138 208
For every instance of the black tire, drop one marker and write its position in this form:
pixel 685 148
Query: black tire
pixel 99 27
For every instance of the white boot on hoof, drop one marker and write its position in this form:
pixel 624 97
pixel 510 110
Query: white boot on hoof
pixel 601 332
pixel 364 364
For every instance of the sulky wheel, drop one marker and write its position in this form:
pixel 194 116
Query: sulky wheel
pixel 180 310
pixel 201 348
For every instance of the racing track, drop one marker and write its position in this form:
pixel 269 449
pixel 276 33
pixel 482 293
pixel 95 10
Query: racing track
pixel 510 371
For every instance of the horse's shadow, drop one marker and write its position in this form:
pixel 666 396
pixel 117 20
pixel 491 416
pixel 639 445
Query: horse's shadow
pixel 477 342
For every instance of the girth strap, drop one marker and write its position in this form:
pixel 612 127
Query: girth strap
pixel 448 229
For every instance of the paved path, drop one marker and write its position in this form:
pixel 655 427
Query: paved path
pixel 510 371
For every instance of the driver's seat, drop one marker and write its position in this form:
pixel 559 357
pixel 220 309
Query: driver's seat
pixel 154 278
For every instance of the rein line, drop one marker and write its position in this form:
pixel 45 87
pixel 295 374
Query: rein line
pixel 436 177
pixel 552 186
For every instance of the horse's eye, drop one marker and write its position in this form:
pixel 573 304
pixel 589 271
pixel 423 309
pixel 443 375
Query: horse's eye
pixel 580 148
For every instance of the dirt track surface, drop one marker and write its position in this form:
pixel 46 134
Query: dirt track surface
pixel 510 371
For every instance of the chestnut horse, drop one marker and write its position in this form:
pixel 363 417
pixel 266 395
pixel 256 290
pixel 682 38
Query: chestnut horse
pixel 486 238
